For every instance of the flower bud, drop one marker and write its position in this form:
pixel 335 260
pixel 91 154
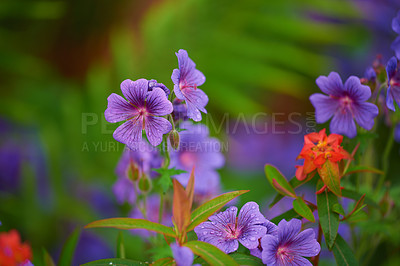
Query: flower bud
pixel 174 139
pixel 145 184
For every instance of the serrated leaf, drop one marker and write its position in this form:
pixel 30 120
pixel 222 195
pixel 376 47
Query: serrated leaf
pixel 363 169
pixel 68 251
pixel 210 253
pixel 303 209
pixel 244 259
pixel 290 214
pixel 166 174
pixel 131 223
pixel 338 209
pixel 180 208
pixel 343 253
pixel 329 173
pixel 208 208
pixel 280 183
pixel 119 262
pixel 328 219
pixel 164 262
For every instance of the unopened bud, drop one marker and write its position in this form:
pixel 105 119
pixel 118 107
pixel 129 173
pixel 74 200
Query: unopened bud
pixel 174 139
pixel 144 184
pixel 133 172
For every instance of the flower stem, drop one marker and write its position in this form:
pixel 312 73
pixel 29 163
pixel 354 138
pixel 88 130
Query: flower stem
pixel 385 161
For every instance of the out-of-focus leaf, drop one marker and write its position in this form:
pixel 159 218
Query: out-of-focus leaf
pixel 329 173
pixel 243 259
pixel 165 179
pixel 303 209
pixel 205 210
pixel 180 208
pixel 290 214
pixel 356 195
pixel 343 253
pixel 119 262
pixel 130 223
pixel 280 183
pixel 210 253
pixel 47 259
pixel 328 219
pixel 358 207
pixel 68 251
pixel 120 246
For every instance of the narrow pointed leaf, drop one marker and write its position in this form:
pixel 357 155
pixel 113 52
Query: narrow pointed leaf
pixel 303 209
pixel 208 208
pixel 130 223
pixel 273 174
pixel 210 253
pixel 190 189
pixel 329 173
pixel 328 219
pixel 338 209
pixel 244 259
pixel 68 251
pixel 108 262
pixel 180 207
pixel 47 259
pixel 281 189
pixel 164 262
pixel 356 195
pixel 343 253
pixel 290 214
pixel 358 207
pixel 363 169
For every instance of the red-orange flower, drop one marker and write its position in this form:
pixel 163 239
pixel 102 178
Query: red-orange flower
pixel 12 251
pixel 323 153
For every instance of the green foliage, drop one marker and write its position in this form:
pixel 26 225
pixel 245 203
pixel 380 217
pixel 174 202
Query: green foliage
pixel 165 180
pixel 243 259
pixel 278 181
pixel 108 262
pixel 68 250
pixel 210 253
pixel 343 253
pixel 303 209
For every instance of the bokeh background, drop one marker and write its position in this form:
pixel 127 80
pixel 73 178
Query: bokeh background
pixel 59 61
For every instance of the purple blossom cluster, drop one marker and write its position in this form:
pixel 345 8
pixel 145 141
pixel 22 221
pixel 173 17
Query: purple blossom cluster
pixel 282 244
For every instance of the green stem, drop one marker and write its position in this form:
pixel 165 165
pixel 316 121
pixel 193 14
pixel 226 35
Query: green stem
pixel 379 91
pixel 385 161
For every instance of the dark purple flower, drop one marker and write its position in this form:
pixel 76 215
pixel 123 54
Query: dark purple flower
pixel 393 91
pixel 154 84
pixel 180 110
pixel 395 46
pixel 197 149
pixel 345 103
pixel 225 231
pixel 289 246
pixel 271 229
pixel 142 111
pixel 186 80
pixel 183 255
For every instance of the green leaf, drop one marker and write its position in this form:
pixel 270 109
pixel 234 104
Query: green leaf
pixel 130 223
pixel 303 209
pixel 290 214
pixel 210 253
pixel 165 177
pixel 278 181
pixel 164 262
pixel 338 209
pixel 68 251
pixel 358 207
pixel 328 219
pixel 343 253
pixel 243 259
pixel 355 196
pixel 361 169
pixel 329 173
pixel 47 259
pixel 294 183
pixel 119 262
pixel 120 246
pixel 208 208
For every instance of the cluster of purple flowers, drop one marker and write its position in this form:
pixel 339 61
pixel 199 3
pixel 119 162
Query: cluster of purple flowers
pixel 282 244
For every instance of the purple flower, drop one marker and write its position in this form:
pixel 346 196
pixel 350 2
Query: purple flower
pixel 345 103
pixel 393 91
pixel 271 229
pixel 141 111
pixel 183 255
pixel 186 80
pixel 197 149
pixel 180 110
pixel 225 231
pixel 154 84
pixel 124 190
pixel 289 246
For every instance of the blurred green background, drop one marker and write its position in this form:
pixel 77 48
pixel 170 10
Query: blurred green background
pixel 59 61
